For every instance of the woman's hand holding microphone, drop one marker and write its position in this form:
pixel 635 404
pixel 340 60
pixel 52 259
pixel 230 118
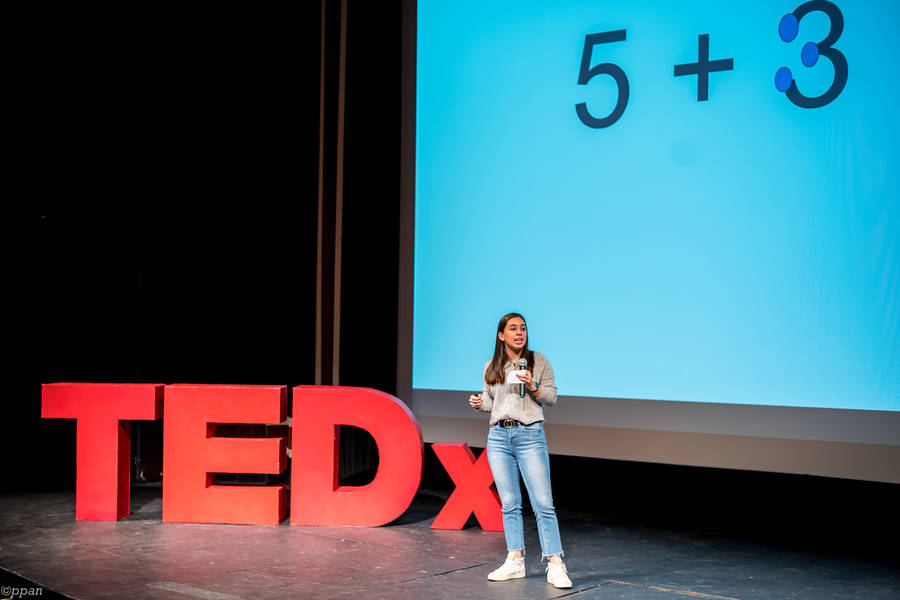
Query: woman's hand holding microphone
pixel 530 384
pixel 528 380
pixel 475 401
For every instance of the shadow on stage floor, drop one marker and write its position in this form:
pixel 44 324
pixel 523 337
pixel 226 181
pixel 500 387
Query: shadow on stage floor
pixel 41 543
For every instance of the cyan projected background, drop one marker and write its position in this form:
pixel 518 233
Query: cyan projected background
pixel 740 249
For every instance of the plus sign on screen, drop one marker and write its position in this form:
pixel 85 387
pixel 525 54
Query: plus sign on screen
pixel 703 67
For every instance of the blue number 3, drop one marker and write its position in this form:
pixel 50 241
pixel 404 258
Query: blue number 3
pixel 787 30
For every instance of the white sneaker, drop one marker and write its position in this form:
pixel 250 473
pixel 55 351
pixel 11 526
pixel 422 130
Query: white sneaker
pixel 557 576
pixel 513 568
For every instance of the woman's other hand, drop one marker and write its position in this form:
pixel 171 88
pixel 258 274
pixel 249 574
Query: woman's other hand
pixel 475 401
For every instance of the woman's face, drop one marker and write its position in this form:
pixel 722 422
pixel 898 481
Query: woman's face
pixel 514 335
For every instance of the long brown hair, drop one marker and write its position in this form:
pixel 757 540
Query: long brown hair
pixel 495 372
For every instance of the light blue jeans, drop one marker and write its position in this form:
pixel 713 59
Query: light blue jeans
pixel 523 449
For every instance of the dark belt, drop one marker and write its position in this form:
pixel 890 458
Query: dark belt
pixel 509 423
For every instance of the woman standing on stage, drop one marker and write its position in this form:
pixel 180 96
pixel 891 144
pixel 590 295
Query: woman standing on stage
pixel 516 444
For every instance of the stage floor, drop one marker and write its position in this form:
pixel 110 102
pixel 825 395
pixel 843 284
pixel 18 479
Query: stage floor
pixel 141 557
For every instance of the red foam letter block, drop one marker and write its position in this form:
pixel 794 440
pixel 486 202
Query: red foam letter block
pixel 474 491
pixel 192 457
pixel 103 412
pixel 316 497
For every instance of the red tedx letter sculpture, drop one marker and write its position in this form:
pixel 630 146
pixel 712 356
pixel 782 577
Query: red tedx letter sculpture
pixel 192 457
pixel 316 497
pixel 474 489
pixel 103 412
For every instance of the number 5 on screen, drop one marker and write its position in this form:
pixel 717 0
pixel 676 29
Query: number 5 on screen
pixel 586 73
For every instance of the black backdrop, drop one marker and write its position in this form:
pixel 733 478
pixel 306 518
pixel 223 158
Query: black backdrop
pixel 178 220
pixel 176 242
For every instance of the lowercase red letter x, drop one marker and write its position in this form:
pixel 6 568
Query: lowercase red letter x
pixel 475 491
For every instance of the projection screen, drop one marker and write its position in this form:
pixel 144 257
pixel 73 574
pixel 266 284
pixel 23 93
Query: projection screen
pixel 696 206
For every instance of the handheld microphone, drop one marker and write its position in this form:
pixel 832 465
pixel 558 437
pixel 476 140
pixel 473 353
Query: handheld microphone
pixel 523 364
